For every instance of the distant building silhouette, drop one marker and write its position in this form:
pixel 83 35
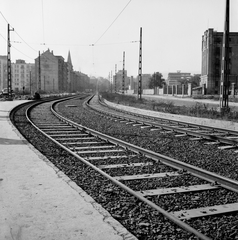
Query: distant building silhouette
pixel 176 78
pixel 58 75
pixel 3 72
pixel 211 60
pixel 22 75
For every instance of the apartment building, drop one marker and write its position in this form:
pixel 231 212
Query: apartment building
pixel 211 60
pixel 3 72
pixel 22 76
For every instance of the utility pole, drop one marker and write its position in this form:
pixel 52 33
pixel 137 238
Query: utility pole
pixel 225 70
pixel 154 81
pixel 123 74
pixel 111 81
pixel 140 67
pixel 9 72
pixel 39 83
pixel 30 82
pixel 115 78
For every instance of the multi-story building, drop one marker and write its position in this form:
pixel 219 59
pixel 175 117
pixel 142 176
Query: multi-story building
pixel 22 76
pixel 177 78
pixel 145 79
pixel 119 80
pixel 3 72
pixel 211 60
pixel 53 72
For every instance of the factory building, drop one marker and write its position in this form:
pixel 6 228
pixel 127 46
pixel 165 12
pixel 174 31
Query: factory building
pixel 211 60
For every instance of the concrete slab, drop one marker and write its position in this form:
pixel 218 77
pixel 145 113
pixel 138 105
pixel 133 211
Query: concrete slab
pixel 37 201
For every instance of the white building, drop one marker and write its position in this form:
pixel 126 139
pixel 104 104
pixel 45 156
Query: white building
pixel 22 76
pixel 3 72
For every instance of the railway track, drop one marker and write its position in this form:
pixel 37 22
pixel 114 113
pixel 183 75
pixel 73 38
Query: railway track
pixel 223 138
pixel 150 177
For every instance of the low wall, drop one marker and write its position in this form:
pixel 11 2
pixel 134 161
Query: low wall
pixel 148 91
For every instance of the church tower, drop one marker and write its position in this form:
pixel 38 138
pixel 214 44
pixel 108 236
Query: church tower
pixel 70 73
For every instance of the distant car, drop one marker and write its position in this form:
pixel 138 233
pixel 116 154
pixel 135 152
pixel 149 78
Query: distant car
pixel 4 92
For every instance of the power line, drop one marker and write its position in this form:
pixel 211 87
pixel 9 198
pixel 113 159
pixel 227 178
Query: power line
pixel 22 53
pixel 74 44
pixel 4 17
pixel 17 34
pixel 3 37
pixel 113 22
pixel 25 41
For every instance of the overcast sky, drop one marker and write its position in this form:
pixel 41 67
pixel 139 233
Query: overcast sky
pixel 96 32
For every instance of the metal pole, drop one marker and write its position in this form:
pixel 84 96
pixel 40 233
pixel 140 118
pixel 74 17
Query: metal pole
pixel 9 74
pixel 39 87
pixel 111 81
pixel 30 82
pixel 225 71
pixel 115 78
pixel 123 74
pixel 140 67
pixel 154 81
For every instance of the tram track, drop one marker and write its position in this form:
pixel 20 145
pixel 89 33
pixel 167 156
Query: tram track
pixel 224 138
pixel 125 163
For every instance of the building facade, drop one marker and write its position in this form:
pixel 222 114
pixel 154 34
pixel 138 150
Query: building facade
pixel 22 76
pixel 211 60
pixel 177 78
pixel 3 72
pixel 119 80
pixel 52 71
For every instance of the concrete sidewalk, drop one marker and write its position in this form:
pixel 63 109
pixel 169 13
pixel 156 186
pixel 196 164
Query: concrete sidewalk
pixel 37 201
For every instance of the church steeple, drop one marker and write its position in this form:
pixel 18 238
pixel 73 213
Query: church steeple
pixel 69 60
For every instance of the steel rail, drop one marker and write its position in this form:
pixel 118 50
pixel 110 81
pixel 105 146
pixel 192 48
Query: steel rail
pixel 198 172
pixel 205 136
pixel 174 121
pixel 118 183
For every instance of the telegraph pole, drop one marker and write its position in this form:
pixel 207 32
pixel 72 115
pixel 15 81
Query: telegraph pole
pixel 115 78
pixel 39 83
pixel 30 82
pixel 111 81
pixel 9 72
pixel 225 71
pixel 123 74
pixel 154 81
pixel 140 67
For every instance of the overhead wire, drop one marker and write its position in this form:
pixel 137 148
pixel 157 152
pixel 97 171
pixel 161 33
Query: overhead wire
pixel 14 41
pixel 24 41
pixel 4 17
pixel 3 37
pixel 112 22
pixel 93 45
pixel 22 52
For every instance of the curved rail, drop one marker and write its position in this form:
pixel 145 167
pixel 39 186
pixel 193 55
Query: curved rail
pixel 186 129
pixel 79 129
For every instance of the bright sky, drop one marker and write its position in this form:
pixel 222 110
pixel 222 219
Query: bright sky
pixel 172 32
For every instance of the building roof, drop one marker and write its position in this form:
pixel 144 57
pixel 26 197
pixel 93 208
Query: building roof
pixel 69 59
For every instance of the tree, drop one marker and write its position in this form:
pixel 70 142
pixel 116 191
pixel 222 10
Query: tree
pixel 156 80
pixel 195 80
